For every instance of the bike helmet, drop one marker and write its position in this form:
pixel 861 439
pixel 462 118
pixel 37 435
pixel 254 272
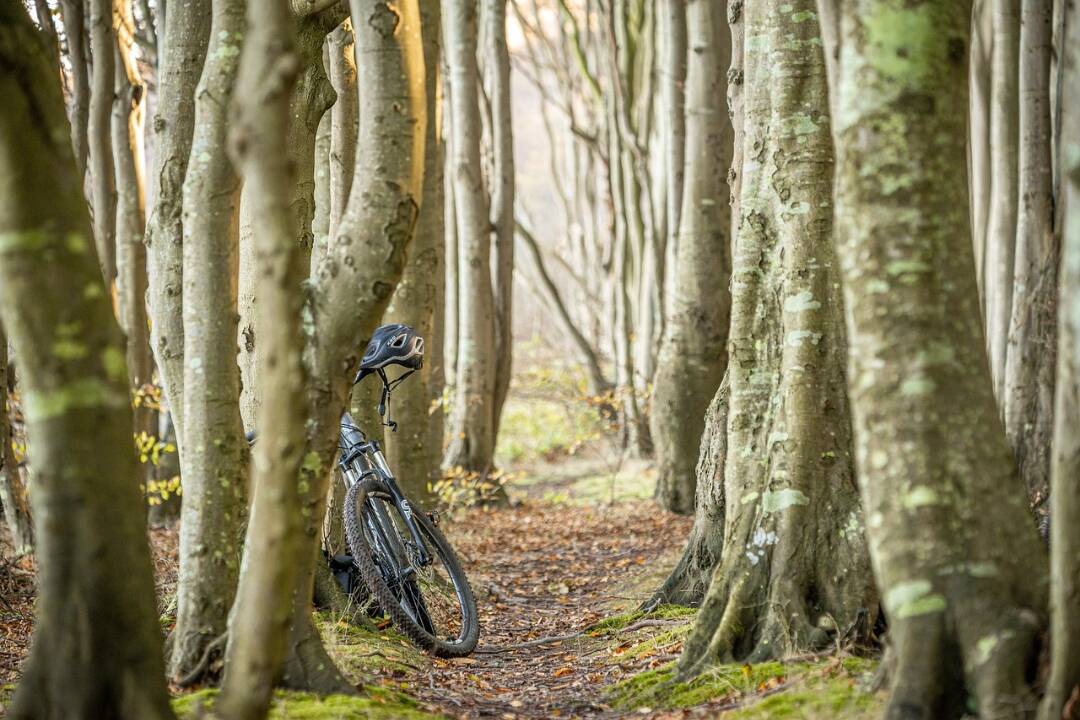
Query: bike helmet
pixel 392 345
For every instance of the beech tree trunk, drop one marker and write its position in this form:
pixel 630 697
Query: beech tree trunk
pixel 693 355
pixel 99 137
pixel 355 280
pixel 214 457
pixel 13 495
pixel 94 572
pixel 415 450
pixel 1065 459
pixel 131 282
pixel 672 76
pixel 497 81
pixel 1030 359
pixel 273 550
pixel 187 31
pixel 979 148
pixel 1004 144
pixel 74 14
pixel 935 469
pixel 794 570
pixel 471 429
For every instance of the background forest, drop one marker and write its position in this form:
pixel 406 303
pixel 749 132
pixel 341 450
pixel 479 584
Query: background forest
pixel 751 379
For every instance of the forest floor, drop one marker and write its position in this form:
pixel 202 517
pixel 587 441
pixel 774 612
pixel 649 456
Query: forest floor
pixel 558 576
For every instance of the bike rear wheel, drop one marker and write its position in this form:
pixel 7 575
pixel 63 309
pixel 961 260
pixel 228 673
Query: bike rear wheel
pixel 432 604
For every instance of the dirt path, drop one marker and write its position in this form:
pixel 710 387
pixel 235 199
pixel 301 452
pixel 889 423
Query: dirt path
pixel 546 570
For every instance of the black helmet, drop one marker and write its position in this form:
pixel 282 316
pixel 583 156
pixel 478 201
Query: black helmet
pixel 392 345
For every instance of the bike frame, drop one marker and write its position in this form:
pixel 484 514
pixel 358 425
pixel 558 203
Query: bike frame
pixel 356 452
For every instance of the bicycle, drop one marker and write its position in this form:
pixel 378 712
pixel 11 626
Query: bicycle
pixel 404 560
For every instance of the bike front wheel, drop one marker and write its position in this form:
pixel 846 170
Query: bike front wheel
pixel 431 603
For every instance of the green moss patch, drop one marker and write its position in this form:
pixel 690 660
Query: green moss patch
pixel 830 688
pixel 618 622
pixel 373 702
pixel 359 651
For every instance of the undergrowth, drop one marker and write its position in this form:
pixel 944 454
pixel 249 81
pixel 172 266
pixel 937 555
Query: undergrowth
pixel 374 703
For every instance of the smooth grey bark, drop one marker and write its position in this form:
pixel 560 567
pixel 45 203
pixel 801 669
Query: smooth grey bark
pixel 979 148
pixel 470 429
pixel 94 571
pixel 270 66
pixel 672 76
pixel 794 569
pixel 13 495
pixel 187 31
pixel 693 354
pixel 355 280
pixel 214 451
pixel 935 469
pixel 99 137
pixel 1004 143
pixel 311 96
pixel 74 14
pixel 1030 358
pixel 415 450
pixel 320 223
pixel 1065 461
pixel 131 282
pixel 501 207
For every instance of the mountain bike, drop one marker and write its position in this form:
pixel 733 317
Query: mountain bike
pixel 404 560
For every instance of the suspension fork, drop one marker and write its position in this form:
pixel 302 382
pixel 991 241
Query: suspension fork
pixel 378 462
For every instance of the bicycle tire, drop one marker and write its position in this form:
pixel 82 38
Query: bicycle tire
pixel 365 555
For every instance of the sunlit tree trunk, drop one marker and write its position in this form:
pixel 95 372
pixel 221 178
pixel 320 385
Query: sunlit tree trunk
pixel 273 550
pixel 97 647
pixel 1004 144
pixel 693 355
pixel 794 570
pixel 214 457
pixel 99 137
pixel 470 429
pixel 355 280
pixel 131 279
pixel 1030 358
pixel 1065 459
pixel 187 31
pixel 415 450
pixel 935 469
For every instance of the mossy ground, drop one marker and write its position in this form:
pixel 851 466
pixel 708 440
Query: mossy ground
pixel 832 687
pixel 373 702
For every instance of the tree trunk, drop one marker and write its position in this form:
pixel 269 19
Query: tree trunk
pixel 96 648
pixel 214 456
pixel 471 431
pixel 355 280
pixel 74 15
pixel 1004 142
pixel 1065 461
pixel 415 450
pixel 693 354
pixel 672 77
pixel 794 570
pixel 13 495
pixel 127 131
pixel 187 31
pixel 311 97
pixel 497 81
pixel 979 148
pixel 274 548
pixel 99 137
pixel 1030 359
pixel 936 471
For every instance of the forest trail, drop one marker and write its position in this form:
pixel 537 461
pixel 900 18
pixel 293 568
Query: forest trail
pixel 542 571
